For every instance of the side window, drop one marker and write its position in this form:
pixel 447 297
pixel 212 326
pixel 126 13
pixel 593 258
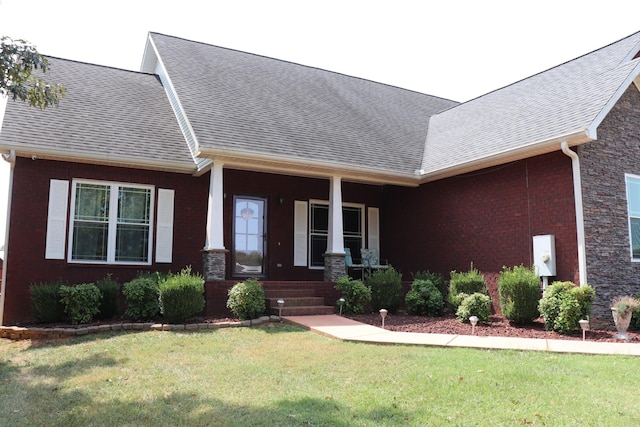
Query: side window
pixel 633 206
pixel 111 223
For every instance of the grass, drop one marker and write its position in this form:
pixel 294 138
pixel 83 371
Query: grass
pixel 281 375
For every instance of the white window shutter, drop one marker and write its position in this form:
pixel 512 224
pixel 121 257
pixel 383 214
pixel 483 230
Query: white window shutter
pixel 164 233
pixel 300 220
pixel 57 219
pixel 374 229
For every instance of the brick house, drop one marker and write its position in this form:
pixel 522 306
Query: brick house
pixel 245 166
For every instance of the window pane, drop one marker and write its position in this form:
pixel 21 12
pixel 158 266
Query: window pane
pixel 318 248
pixel 134 205
pixel 351 221
pixel 132 243
pixel 92 202
pixel 90 241
pixel 319 218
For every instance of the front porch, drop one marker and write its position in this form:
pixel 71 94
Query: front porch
pixel 303 297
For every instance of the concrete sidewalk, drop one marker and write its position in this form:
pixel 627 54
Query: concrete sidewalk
pixel 345 329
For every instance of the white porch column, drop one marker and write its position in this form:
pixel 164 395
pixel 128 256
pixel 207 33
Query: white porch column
pixel 215 228
pixel 335 242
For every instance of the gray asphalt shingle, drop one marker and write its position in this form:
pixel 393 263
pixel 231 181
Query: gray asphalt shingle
pixel 557 102
pixel 107 113
pixel 249 103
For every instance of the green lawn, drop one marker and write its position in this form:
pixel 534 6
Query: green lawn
pixel 281 375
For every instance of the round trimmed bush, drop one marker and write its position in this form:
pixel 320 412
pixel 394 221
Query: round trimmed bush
pixel 424 298
pixel 181 296
pixel 476 304
pixel 246 299
pixel 356 294
pixel 466 283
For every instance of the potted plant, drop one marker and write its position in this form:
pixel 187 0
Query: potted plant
pixel 622 309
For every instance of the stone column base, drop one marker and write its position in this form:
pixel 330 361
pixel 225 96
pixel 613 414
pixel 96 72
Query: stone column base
pixel 214 264
pixel 334 267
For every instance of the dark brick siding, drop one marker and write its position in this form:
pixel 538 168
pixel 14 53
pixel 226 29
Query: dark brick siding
pixel 486 218
pixel 603 166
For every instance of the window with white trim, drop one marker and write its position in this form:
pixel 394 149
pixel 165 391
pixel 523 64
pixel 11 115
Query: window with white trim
pixel 352 223
pixel 111 223
pixel 633 206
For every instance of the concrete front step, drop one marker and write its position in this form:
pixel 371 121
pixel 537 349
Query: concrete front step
pixel 312 310
pixel 296 302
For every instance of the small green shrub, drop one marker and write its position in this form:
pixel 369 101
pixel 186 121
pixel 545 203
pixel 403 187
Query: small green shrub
pixel 246 299
pixel 519 292
pixel 109 289
pixel 635 318
pixel 81 302
pixel 45 302
pixel 356 294
pixel 424 298
pixel 467 283
pixel 386 289
pixel 435 278
pixel 564 304
pixel 181 296
pixel 142 295
pixel 476 304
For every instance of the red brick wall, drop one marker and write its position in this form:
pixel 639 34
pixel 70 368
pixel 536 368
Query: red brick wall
pixel 26 263
pixel 29 218
pixel 487 217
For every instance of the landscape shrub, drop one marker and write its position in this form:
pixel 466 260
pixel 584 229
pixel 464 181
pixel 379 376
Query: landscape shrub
pixel 519 293
pixel 435 278
pixel 635 318
pixel 246 299
pixel 424 298
pixel 469 282
pixel 45 302
pixel 81 302
pixel 142 296
pixel 109 289
pixel 181 296
pixel 476 304
pixel 356 294
pixel 564 304
pixel 386 289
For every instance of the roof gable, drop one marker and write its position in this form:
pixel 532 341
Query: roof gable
pixel 567 101
pixel 252 105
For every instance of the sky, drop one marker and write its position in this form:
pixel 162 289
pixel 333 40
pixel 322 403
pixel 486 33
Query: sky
pixel 455 49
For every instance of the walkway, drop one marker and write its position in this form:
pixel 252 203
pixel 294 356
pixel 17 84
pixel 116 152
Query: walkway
pixel 345 329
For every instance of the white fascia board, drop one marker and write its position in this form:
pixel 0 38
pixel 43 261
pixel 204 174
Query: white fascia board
pixel 183 121
pixel 592 130
pixel 149 57
pixel 295 166
pixel 536 148
pixel 103 159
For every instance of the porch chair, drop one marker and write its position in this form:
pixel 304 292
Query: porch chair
pixel 348 260
pixel 371 259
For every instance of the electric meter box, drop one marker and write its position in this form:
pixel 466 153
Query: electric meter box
pixel 544 255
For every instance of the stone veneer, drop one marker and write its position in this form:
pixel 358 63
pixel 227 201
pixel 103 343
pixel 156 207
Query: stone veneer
pixel 334 266
pixel 214 264
pixel 17 333
pixel 604 163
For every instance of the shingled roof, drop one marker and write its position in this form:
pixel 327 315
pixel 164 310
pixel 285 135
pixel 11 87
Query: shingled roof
pixel 252 105
pixel 108 116
pixel 532 116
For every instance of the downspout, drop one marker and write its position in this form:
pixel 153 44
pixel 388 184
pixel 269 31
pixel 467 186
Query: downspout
pixel 577 191
pixel 11 158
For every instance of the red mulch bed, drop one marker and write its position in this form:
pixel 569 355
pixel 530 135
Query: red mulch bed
pixel 497 326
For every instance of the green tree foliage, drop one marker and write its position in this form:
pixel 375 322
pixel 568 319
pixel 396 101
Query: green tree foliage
pixel 18 61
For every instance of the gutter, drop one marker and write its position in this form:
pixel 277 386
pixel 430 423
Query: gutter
pixel 577 191
pixel 11 158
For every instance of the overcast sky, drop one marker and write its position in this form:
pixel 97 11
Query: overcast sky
pixel 453 49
